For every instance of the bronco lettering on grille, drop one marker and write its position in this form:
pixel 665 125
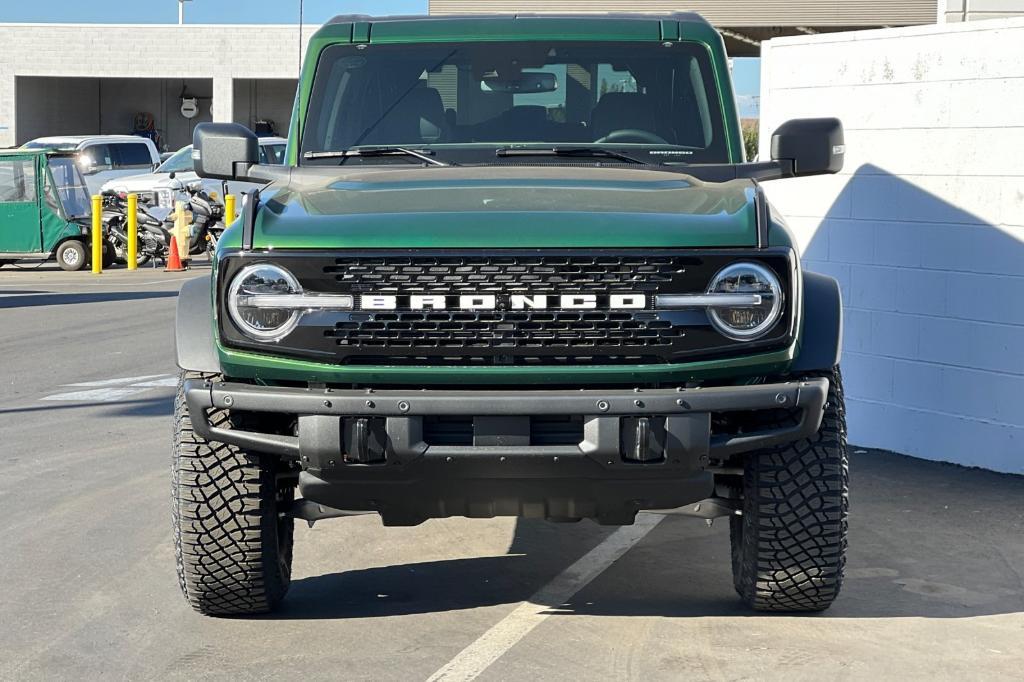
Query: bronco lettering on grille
pixel 504 302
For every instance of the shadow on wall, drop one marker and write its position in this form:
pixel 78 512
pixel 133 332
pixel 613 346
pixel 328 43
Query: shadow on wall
pixel 934 323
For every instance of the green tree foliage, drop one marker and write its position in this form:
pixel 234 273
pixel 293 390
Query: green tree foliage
pixel 750 140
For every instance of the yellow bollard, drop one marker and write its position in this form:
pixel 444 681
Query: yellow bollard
pixel 229 209
pixel 133 231
pixel 97 235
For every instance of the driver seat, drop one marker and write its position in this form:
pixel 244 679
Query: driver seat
pixel 622 111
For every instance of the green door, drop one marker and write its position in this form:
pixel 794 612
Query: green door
pixel 20 231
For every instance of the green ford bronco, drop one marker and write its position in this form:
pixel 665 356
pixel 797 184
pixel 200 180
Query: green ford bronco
pixel 514 266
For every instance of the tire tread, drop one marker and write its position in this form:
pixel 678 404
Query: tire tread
pixel 225 520
pixel 789 547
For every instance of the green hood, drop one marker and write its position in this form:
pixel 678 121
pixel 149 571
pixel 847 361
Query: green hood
pixel 502 207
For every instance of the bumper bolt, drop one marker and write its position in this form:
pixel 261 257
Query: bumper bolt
pixel 228 401
pixel 370 404
pixel 403 406
pixel 327 403
pixel 638 403
pixel 602 405
pixel 781 398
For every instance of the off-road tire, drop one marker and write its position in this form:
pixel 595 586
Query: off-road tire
pixel 789 546
pixel 233 547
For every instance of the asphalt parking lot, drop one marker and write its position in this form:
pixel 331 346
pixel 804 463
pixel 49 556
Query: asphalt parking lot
pixel 935 580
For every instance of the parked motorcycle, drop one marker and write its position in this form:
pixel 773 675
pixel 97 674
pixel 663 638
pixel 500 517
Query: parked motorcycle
pixel 156 224
pixel 207 219
pixel 154 233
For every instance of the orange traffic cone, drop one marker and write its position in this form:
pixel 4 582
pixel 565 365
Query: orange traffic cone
pixel 173 259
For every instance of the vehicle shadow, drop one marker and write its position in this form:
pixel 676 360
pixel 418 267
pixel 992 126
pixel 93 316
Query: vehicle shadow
pixel 928 540
pixel 52 299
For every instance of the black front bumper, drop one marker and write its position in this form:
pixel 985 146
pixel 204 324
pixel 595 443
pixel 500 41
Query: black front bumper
pixel 638 449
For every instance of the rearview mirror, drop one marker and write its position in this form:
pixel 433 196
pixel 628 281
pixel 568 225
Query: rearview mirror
pixel 814 146
pixel 224 151
pixel 524 84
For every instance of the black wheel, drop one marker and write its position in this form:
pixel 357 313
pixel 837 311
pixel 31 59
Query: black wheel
pixel 233 547
pixel 109 254
pixel 71 256
pixel 789 546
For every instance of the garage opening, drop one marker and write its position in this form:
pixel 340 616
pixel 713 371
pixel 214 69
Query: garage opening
pixel 264 105
pixel 167 109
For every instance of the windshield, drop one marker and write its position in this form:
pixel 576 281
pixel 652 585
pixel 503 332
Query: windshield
pixel 71 189
pixel 180 162
pixel 657 98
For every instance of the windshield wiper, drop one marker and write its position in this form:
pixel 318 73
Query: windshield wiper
pixel 422 155
pixel 569 151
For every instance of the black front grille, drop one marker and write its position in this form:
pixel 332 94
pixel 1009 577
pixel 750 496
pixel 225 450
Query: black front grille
pixel 504 329
pixel 508 332
pixel 454 275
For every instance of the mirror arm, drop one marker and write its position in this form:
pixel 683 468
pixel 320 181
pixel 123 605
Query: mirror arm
pixel 766 170
pixel 241 171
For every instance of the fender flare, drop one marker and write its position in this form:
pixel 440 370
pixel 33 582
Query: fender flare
pixel 821 343
pixel 195 347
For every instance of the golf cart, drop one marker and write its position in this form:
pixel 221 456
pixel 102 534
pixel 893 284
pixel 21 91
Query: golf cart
pixel 44 209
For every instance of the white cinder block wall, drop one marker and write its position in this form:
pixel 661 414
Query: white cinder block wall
pixel 924 229
pixel 220 53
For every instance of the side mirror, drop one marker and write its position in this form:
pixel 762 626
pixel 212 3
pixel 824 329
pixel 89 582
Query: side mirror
pixel 814 146
pixel 224 151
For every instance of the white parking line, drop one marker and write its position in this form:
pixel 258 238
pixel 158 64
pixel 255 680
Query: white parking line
pixel 479 655
pixel 97 395
pixel 124 381
pixel 114 390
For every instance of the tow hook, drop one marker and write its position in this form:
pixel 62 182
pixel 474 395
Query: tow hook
pixel 311 512
pixel 709 509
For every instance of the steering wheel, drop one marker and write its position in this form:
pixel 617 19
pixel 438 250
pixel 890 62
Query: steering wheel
pixel 632 135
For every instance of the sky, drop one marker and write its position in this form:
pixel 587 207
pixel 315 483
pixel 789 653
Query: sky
pixel 746 71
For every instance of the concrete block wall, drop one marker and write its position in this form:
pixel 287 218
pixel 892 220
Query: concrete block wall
pixel 975 10
pixel 924 229
pixel 220 53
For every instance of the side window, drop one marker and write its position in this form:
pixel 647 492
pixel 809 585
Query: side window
pixel 96 157
pixel 132 155
pixel 272 154
pixel 17 180
pixel 611 80
pixel 50 194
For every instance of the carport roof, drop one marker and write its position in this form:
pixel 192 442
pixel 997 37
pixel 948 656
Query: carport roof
pixel 743 23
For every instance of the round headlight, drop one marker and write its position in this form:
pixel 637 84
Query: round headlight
pixel 253 317
pixel 746 322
